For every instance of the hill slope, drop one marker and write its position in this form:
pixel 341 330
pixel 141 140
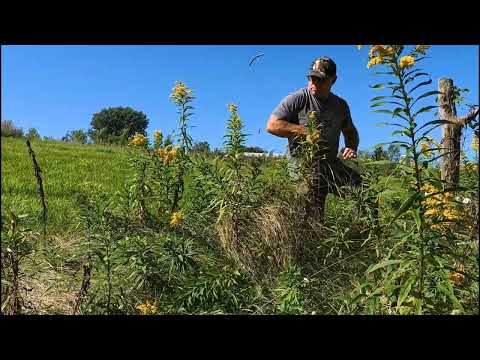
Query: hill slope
pixel 66 169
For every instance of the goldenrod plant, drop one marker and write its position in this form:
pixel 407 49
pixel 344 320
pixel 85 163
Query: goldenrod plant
pixel 413 270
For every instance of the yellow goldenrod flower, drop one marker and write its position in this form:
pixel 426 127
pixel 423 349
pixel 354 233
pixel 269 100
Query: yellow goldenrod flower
pixel 381 51
pixel 389 51
pixel 425 147
pixel 407 61
pixel 180 93
pixel 374 50
pixel 177 217
pixel 147 308
pixel 157 134
pixel 421 49
pixel 313 138
pixel 448 197
pixel 474 144
pixel 456 277
pixel 159 152
pixel 232 108
pixel 431 212
pixel 167 158
pixel 375 61
pixel 138 140
pixel 449 214
pixel 174 152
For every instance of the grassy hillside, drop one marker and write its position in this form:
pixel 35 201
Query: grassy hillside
pixel 67 169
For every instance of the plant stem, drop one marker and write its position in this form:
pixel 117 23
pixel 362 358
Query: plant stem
pixel 418 183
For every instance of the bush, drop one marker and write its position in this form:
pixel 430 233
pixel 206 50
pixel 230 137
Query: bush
pixel 32 134
pixel 77 136
pixel 9 129
pixel 117 125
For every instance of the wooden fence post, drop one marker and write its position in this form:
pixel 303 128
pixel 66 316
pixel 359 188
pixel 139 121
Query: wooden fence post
pixel 451 133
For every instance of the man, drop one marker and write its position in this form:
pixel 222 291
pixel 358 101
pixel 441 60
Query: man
pixel 332 116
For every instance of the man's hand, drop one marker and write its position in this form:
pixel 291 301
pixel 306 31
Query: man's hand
pixel 349 153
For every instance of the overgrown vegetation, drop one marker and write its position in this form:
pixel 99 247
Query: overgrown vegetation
pixel 180 231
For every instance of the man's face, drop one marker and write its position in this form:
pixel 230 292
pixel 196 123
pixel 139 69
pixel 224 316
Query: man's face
pixel 320 86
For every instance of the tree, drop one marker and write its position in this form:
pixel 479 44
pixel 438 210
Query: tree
pixel 379 154
pixel 117 125
pixel 393 153
pixel 363 155
pixel 254 149
pixel 201 147
pixel 10 130
pixel 32 133
pixel 76 136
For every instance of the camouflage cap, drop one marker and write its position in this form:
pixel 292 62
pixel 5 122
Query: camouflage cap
pixel 323 68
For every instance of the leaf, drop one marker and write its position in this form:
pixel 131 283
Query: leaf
pixel 405 290
pixel 448 290
pixel 425 109
pixel 397 111
pixel 401 143
pixel 418 220
pixel 406 206
pixel 382 265
pixel 379 104
pixel 383 111
pixel 421 84
pixel 433 122
pixel 411 78
pixel 386 102
pixel 379 98
pixel 389 123
pixel 377 86
pixel 424 95
pixel 401 132
pixel 411 72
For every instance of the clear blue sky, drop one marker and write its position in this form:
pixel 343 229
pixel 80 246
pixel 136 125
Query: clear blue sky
pixel 59 88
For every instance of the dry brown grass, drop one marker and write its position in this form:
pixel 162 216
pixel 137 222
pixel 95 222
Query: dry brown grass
pixel 270 238
pixel 47 290
pixel 50 293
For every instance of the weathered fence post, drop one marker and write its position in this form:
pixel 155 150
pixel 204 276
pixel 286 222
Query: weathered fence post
pixel 38 176
pixel 451 133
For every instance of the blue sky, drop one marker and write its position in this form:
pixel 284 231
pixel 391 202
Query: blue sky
pixel 58 88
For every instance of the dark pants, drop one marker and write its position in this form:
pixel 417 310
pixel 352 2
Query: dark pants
pixel 328 177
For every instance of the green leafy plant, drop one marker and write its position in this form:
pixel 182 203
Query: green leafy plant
pixel 17 247
pixel 412 266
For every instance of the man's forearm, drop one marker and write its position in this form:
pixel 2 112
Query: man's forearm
pixel 283 128
pixel 351 138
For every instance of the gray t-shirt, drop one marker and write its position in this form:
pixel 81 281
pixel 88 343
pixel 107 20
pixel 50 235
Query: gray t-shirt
pixel 333 115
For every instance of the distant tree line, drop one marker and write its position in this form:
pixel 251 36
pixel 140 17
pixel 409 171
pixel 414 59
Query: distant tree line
pixel 379 153
pixel 114 125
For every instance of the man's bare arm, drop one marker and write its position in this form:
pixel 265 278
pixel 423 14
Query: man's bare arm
pixel 283 128
pixel 352 139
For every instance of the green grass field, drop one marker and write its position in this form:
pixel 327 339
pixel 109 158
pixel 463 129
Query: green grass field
pixel 66 168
